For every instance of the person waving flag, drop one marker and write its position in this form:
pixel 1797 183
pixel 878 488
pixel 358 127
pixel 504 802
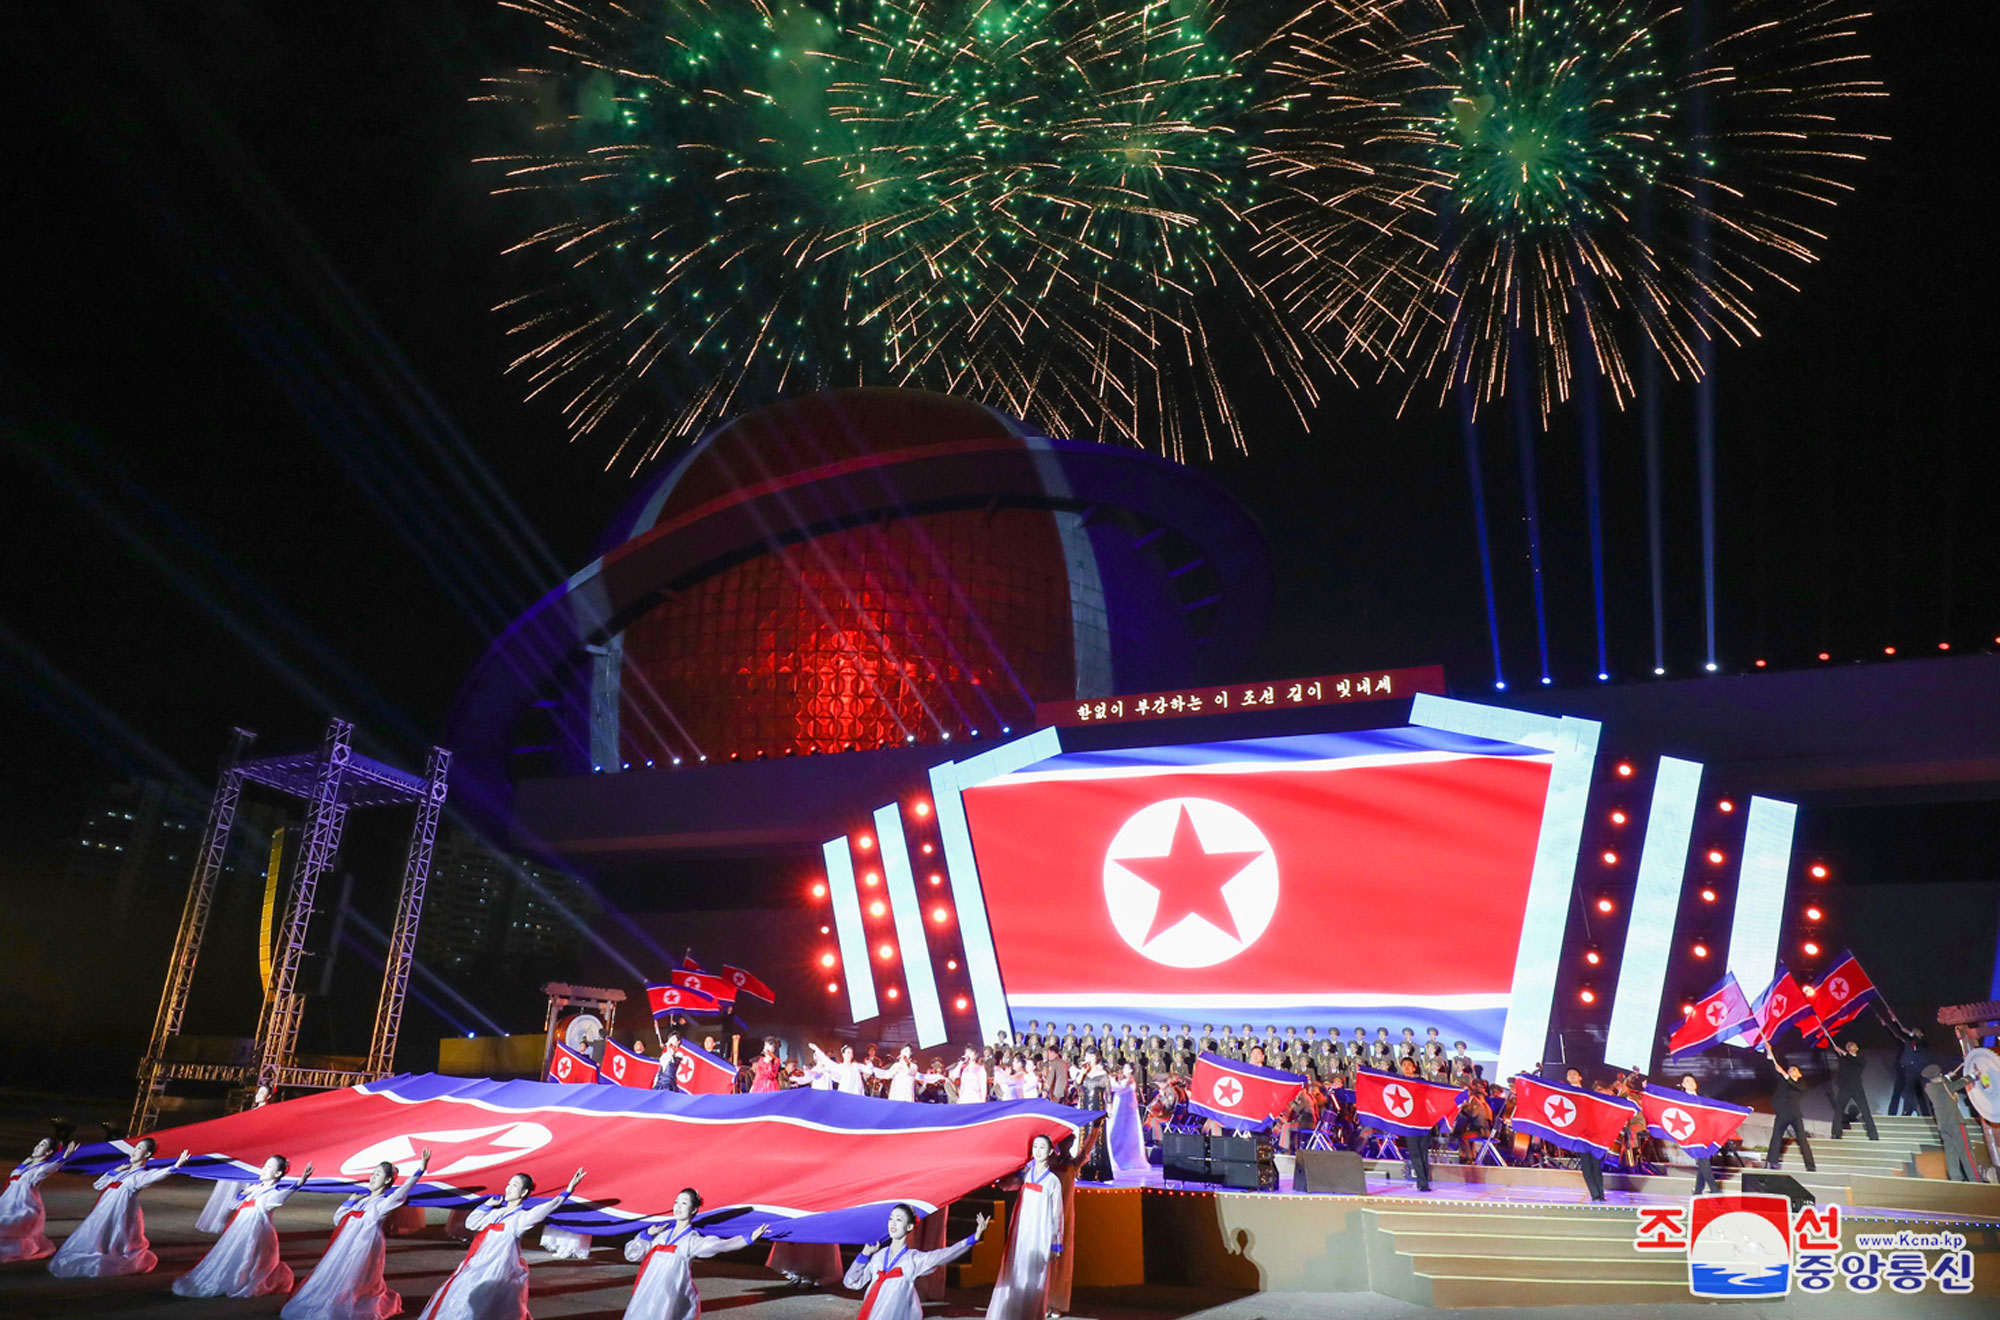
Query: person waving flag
pixel 1403 1106
pixel 1717 1015
pixel 1843 992
pixel 1243 1096
pixel 1569 1117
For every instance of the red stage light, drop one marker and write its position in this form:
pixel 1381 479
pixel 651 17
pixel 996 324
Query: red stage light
pixel 938 915
pixel 1610 858
pixel 959 1003
pixel 871 879
pixel 1699 951
pixel 1725 805
pixel 827 960
pixel 1760 664
pixel 1944 646
pixel 1824 656
pixel 819 891
pixel 936 879
pixel 1708 895
pixel 951 964
pixel 1604 905
pixel 833 987
pixel 1811 949
pixel 893 992
pixel 1809 990
pixel 1715 857
pixel 1624 769
pixel 865 842
pixel 886 951
pixel 1888 650
pixel 1587 995
pixel 1818 871
pixel 876 909
pixel 1592 957
pixel 1687 1010
pixel 1618 818
pixel 921 808
pixel 927 850
pixel 1813 914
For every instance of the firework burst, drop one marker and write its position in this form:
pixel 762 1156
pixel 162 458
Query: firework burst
pixel 1056 206
pixel 1606 177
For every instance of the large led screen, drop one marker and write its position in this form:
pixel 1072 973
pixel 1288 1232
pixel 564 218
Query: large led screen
pixel 1340 880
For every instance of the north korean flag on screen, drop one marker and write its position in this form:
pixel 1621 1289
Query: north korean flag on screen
pixel 1567 1116
pixel 1843 992
pixel 1695 1123
pixel 1241 1095
pixel 1405 1106
pixel 1183 881
pixel 566 1065
pixel 623 1067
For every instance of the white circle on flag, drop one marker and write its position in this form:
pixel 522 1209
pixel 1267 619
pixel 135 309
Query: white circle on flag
pixel 1250 895
pixel 1775 1010
pixel 1837 987
pixel 1228 1092
pixel 1560 1109
pixel 685 1072
pixel 1398 1100
pixel 564 1065
pixel 502 1143
pixel 1678 1122
pixel 618 1066
pixel 1717 1011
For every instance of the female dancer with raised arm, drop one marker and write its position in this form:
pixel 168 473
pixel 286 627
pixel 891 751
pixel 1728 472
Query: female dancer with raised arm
pixel 245 1262
pixel 902 1076
pixel 347 1283
pixel 844 1073
pixel 1034 1234
pixel 21 1215
pixel 491 1283
pixel 222 1193
pixel 112 1237
pixel 665 1288
pixel 889 1269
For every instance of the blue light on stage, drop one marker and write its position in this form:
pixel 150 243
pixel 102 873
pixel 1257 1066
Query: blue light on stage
pixel 1649 933
pixel 1761 882
pixel 1546 916
pixel 914 946
pixel 847 926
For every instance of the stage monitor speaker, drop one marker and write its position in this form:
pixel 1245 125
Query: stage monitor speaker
pixel 1779 1184
pixel 1242 1149
pixel 1184 1156
pixel 1330 1171
pixel 1248 1175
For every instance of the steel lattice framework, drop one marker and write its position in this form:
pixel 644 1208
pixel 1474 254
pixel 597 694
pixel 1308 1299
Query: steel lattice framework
pixel 330 781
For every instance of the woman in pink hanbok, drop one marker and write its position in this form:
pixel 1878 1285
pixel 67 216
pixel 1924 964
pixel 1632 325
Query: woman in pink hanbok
pixel 347 1283
pixel 491 1283
pixel 889 1270
pixel 767 1073
pixel 665 1254
pixel 112 1237
pixel 21 1217
pixel 1034 1237
pixel 244 1262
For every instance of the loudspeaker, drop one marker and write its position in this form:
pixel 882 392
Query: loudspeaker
pixel 1330 1171
pixel 1233 1148
pixel 1248 1175
pixel 1781 1184
pixel 1184 1156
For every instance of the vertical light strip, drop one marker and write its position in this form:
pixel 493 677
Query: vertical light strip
pixel 847 925
pixel 1761 882
pixel 1634 1033
pixel 1539 955
pixel 982 964
pixel 919 980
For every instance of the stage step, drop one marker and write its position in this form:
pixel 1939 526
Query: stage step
pixel 1566 1270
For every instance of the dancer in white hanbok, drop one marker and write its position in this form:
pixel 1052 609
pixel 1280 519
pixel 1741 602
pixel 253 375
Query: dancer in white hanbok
pixel 889 1270
pixel 1034 1238
pixel 842 1074
pixel 112 1237
pixel 222 1193
pixel 970 1075
pixel 347 1283
pixel 21 1217
pixel 903 1076
pixel 491 1283
pixel 664 1254
pixel 244 1262
pixel 1124 1138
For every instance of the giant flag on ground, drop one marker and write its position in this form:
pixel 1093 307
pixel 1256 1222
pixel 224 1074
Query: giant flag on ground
pixel 1695 1123
pixel 1406 1106
pixel 1569 1117
pixel 817 1166
pixel 623 1067
pixel 1241 1095
pixel 1719 1013
pixel 1843 992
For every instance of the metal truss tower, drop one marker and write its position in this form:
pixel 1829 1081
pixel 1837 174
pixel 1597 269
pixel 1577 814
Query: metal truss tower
pixel 330 781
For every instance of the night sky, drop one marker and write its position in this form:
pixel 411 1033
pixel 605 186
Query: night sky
pixel 261 459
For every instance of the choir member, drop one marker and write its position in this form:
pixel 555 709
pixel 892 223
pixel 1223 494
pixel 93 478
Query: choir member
pixel 347 1284
pixel 889 1270
pixel 112 1237
pixel 491 1283
pixel 245 1260
pixel 665 1288
pixel 21 1217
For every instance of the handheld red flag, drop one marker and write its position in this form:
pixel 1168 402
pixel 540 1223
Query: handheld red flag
pixel 748 984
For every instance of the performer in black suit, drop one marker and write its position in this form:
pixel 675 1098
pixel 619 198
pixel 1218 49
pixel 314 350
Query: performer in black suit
pixel 1785 1114
pixel 1847 1065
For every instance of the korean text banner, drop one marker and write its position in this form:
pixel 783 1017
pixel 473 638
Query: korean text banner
pixel 1202 883
pixel 817 1166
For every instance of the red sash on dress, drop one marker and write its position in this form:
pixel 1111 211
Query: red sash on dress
pixel 478 1240
pixel 668 1247
pixel 875 1288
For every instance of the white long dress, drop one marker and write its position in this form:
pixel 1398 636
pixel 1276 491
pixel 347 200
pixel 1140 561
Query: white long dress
pixel 890 1276
pixel 565 1243
pixel 848 1078
pixel 971 1079
pixel 491 1283
pixel 21 1217
pixel 1125 1140
pixel 221 1204
pixel 112 1237
pixel 903 1078
pixel 244 1262
pixel 1022 1290
pixel 347 1283
pixel 665 1288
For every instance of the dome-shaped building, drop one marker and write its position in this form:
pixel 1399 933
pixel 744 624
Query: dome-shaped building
pixel 849 573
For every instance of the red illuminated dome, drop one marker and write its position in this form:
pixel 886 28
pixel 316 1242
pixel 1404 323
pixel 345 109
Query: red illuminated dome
pixel 861 569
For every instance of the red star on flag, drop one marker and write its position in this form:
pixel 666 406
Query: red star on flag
pixel 1189 880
